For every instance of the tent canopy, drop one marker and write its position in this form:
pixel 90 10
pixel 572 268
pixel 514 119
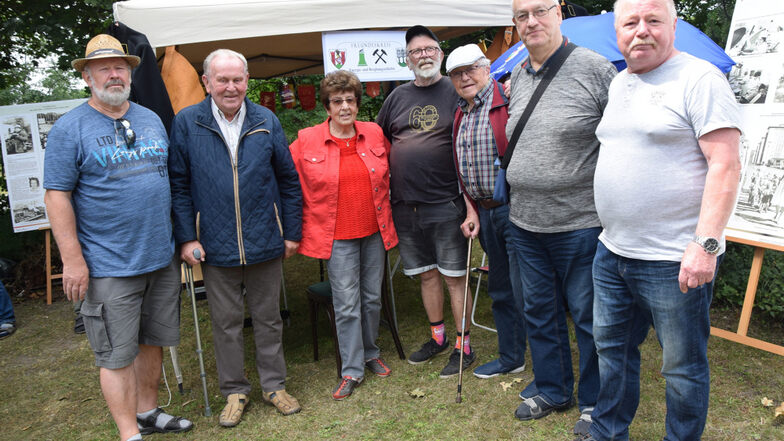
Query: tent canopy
pixel 283 37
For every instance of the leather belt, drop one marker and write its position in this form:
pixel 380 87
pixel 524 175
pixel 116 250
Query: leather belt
pixel 489 204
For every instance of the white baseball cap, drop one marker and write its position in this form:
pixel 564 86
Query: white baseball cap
pixel 463 56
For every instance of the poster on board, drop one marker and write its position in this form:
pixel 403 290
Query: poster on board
pixel 371 55
pixel 23 132
pixel 756 43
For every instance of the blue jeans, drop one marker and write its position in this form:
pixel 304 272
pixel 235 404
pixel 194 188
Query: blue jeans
pixel 6 307
pixel 503 285
pixel 630 296
pixel 356 271
pixel 555 270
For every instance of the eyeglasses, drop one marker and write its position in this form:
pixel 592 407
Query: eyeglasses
pixel 339 101
pixel 124 127
pixel 428 51
pixel 523 16
pixel 470 71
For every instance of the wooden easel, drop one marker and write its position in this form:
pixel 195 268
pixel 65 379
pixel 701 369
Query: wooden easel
pixel 49 275
pixel 748 302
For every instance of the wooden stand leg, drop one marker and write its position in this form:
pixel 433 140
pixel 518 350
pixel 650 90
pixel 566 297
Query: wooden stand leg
pixel 751 290
pixel 48 246
pixel 745 315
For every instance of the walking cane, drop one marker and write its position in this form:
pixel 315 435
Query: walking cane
pixel 176 365
pixel 192 291
pixel 459 398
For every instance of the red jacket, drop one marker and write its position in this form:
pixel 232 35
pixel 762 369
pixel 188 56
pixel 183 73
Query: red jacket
pixel 317 159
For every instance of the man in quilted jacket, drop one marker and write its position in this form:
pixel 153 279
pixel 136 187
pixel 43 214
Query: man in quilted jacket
pixel 236 199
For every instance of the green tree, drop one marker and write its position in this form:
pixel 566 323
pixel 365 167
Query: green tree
pixel 56 85
pixel 712 17
pixel 36 29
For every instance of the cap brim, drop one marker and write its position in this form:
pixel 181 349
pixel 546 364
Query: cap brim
pixel 79 63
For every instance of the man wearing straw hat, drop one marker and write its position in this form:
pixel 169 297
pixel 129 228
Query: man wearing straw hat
pixel 109 204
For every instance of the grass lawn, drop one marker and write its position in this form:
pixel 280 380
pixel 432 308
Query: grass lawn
pixel 50 386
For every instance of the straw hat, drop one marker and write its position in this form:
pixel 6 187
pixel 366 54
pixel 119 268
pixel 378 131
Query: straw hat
pixel 104 46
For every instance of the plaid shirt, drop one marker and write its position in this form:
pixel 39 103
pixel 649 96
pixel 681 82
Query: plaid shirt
pixel 475 146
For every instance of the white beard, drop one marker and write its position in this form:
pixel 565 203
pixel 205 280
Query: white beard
pixel 427 72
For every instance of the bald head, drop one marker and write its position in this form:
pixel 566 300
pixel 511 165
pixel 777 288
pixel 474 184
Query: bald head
pixel 620 4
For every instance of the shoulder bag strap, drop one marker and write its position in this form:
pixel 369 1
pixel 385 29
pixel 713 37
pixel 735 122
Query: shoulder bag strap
pixel 552 69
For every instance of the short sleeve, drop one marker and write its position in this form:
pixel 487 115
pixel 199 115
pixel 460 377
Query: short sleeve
pixel 711 105
pixel 61 160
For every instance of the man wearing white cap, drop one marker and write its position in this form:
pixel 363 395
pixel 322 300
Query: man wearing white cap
pixel 479 140
pixel 109 204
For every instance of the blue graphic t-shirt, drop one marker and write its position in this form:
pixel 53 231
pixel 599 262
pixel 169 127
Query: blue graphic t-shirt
pixel 120 192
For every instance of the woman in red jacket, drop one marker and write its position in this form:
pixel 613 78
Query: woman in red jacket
pixel 347 219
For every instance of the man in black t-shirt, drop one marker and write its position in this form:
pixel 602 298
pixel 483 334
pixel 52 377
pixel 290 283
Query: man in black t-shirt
pixel 427 206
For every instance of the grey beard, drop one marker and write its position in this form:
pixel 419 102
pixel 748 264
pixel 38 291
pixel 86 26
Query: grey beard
pixel 112 98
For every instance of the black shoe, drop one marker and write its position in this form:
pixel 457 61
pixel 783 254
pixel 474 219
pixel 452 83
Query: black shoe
pixel 450 370
pixel 428 350
pixel 537 407
pixel 6 329
pixel 79 324
pixel 584 423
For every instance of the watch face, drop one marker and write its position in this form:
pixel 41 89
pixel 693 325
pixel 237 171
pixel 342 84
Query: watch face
pixel 711 245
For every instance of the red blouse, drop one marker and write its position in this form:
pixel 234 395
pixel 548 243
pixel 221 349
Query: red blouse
pixel 355 215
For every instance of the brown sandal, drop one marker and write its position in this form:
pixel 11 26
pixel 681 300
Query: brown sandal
pixel 285 403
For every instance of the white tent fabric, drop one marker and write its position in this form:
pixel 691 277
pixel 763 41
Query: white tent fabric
pixel 283 37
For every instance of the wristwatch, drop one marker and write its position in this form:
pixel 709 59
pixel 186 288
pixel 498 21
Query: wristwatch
pixel 709 244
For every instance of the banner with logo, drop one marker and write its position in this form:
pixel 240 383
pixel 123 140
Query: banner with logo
pixel 756 43
pixel 371 55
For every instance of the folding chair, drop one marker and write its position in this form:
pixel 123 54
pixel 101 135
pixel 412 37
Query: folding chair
pixel 320 294
pixel 480 271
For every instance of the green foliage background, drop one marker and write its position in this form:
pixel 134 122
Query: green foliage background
pixel 730 287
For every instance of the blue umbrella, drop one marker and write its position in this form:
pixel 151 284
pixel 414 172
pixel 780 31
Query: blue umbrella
pixel 597 32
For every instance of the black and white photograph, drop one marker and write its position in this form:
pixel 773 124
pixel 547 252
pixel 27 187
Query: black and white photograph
pixel 17 136
pixel 778 92
pixel 750 81
pixel 27 212
pixel 759 36
pixel 45 123
pixel 759 211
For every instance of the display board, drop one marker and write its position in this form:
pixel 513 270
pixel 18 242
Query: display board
pixel 23 132
pixel 756 43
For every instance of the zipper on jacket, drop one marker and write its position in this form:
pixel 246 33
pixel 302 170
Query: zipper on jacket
pixel 236 183
pixel 277 218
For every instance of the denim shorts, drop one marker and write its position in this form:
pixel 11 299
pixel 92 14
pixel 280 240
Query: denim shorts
pixel 122 312
pixel 430 237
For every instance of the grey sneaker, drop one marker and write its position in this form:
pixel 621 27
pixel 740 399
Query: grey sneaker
pixel 584 423
pixel 378 367
pixel 346 387
pixel 428 350
pixel 6 329
pixel 451 368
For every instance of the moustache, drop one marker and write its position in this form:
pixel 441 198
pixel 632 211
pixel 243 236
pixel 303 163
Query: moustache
pixel 114 83
pixel 642 41
pixel 425 60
